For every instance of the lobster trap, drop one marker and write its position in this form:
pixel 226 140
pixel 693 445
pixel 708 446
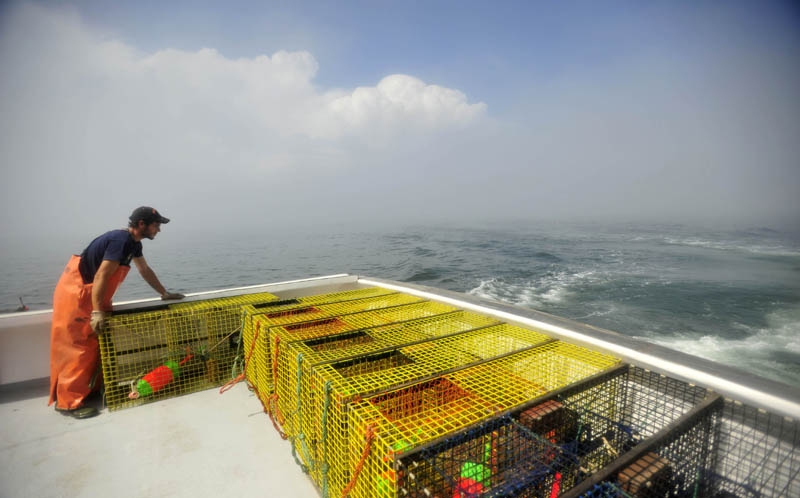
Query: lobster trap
pixel 297 358
pixel 627 430
pixel 173 350
pixel 407 418
pixel 303 308
pixel 331 389
pixel 258 314
pixel 264 331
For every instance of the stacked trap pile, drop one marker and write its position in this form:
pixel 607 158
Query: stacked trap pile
pixel 173 349
pixel 411 398
pixel 323 365
pixel 385 394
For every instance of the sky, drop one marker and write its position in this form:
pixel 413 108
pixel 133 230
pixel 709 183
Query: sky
pixel 274 114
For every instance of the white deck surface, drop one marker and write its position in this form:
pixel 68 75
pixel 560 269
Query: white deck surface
pixel 203 444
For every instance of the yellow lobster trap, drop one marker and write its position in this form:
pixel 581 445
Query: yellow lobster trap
pixel 325 394
pixel 388 426
pixel 257 314
pixel 172 350
pixel 274 338
pixel 264 328
pixel 296 358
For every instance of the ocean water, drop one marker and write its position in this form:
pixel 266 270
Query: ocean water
pixel 732 296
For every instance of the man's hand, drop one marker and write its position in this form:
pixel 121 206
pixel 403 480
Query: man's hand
pixel 171 295
pixel 98 321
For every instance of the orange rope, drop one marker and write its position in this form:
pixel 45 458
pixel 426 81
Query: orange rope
pixel 369 436
pixel 189 356
pixel 241 376
pixel 252 386
pixel 273 406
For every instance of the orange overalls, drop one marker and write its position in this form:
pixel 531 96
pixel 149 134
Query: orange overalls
pixel 74 350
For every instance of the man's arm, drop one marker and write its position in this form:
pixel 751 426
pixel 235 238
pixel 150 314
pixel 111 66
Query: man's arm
pixel 150 277
pixel 101 278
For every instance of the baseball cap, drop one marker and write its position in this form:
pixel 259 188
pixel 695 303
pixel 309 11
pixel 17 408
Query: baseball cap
pixel 148 215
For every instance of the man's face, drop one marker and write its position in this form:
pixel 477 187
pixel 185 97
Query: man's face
pixel 151 230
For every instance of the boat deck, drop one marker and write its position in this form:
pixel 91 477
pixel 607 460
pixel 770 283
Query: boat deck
pixel 744 430
pixel 202 444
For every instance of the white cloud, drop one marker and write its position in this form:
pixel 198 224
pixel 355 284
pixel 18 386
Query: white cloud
pixel 402 98
pixel 88 115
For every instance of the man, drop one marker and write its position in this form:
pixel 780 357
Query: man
pixel 82 305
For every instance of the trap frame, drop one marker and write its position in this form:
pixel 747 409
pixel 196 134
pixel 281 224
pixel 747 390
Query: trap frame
pixel 257 298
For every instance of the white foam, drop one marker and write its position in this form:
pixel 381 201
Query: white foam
pixel 754 352
pixel 482 290
pixel 768 250
pixel 519 294
pixel 549 289
pixel 751 353
pixel 610 309
pixel 554 295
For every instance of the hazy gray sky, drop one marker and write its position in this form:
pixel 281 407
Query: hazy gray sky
pixel 261 115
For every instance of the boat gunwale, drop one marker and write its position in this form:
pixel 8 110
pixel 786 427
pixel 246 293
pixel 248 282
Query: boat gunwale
pixel 734 383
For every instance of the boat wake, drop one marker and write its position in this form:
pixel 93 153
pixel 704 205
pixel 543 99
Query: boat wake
pixel 771 350
pixel 550 289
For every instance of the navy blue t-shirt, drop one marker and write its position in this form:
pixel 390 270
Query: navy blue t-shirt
pixel 116 245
